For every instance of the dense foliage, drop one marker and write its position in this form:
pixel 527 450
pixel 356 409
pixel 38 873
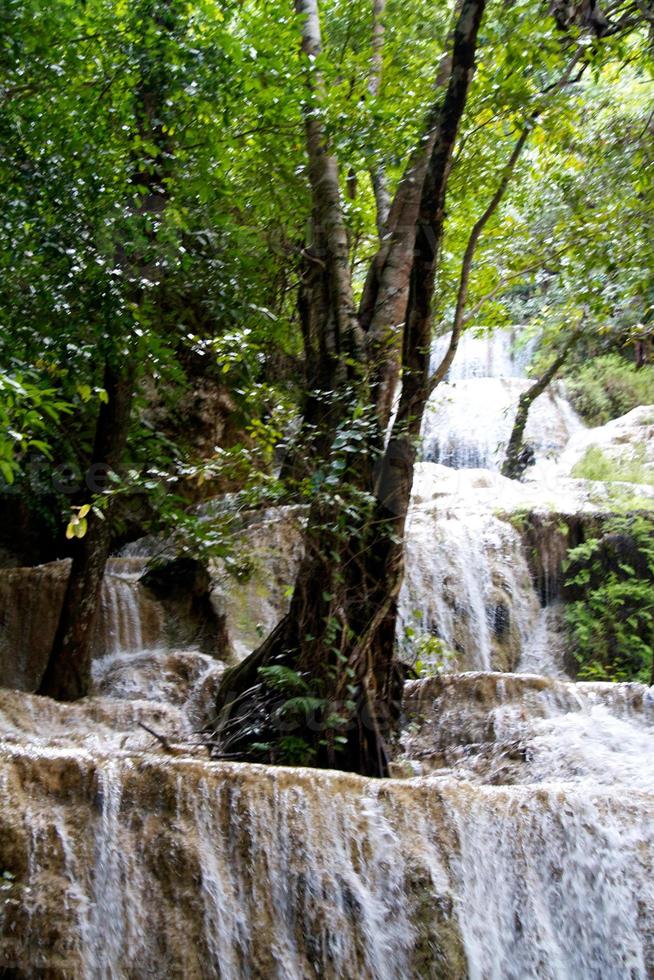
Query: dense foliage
pixel 198 288
pixel 611 617
pixel 609 386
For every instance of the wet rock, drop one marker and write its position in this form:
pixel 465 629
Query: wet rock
pixel 183 587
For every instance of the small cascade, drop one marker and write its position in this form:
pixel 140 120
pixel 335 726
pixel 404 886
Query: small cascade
pixel 500 728
pixel 469 418
pixel 477 581
pixel 555 884
pixel 467 583
pixel 130 619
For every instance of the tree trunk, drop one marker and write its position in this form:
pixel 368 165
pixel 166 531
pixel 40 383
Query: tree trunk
pixel 332 336
pixel 67 675
pixel 384 301
pixel 325 687
pixel 517 457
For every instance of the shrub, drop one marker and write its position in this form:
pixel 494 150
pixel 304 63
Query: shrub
pixel 607 387
pixel 610 579
pixel 595 465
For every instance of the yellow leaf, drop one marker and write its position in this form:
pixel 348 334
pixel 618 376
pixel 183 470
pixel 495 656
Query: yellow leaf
pixel 80 528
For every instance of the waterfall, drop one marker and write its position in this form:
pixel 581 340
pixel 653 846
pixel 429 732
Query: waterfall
pixel 553 874
pixel 471 581
pixel 523 849
pixel 514 841
pixel 527 861
pixel 467 583
pixel 129 620
pixel 500 354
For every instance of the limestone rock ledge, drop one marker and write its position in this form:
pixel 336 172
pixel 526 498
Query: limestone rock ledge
pixel 528 842
pixel 143 866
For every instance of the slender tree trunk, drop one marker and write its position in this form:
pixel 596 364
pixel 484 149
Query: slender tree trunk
pixel 67 675
pixel 331 334
pixel 466 265
pixel 517 459
pixel 337 640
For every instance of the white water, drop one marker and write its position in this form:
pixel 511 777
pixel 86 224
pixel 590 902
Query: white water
pixel 120 605
pixel 522 849
pixel 468 581
pixel 556 833
pixel 501 354
pixel 555 886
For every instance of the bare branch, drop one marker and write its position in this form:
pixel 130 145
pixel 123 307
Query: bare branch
pixel 468 256
pixel 466 266
pixel 378 171
pixel 163 741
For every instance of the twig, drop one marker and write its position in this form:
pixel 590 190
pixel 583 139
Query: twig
pixel 163 741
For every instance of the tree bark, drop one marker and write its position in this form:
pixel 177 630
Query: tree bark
pixel 384 299
pixel 378 171
pixel 68 672
pixel 338 637
pixel 332 337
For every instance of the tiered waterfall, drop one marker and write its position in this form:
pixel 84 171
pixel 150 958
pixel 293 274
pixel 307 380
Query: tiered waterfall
pixel 514 841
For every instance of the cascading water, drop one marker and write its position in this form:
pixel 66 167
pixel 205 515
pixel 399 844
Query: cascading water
pixel 520 845
pixel 129 619
pixel 469 418
pixel 516 840
pixel 30 603
pixel 500 354
pixel 467 584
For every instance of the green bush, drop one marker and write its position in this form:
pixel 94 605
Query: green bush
pixel 610 579
pixel 595 465
pixel 607 387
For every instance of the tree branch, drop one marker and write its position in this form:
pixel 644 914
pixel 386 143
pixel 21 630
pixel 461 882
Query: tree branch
pixel 378 171
pixel 468 256
pixel 384 299
pixel 466 266
pixel 499 289
pixel 396 473
pixel 328 217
